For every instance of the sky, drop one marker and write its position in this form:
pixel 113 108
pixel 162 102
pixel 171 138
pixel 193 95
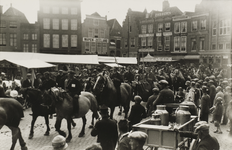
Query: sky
pixel 113 9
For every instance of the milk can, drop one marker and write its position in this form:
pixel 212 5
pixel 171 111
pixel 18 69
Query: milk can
pixel 183 115
pixel 192 107
pixel 156 119
pixel 163 113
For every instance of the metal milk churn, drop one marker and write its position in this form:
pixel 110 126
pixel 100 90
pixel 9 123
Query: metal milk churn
pixel 192 107
pixel 183 115
pixel 163 113
pixel 156 119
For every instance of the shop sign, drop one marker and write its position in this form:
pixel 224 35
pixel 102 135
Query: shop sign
pixel 146 35
pixel 167 33
pixel 163 58
pixel 146 50
pixel 88 39
pixel 225 57
pixel 158 34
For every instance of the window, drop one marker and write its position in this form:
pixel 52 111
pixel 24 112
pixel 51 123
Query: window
pixel 177 43
pixel 203 24
pixel 34 48
pixel 46 10
pixel 13 24
pixel 224 27
pixel 90 32
pixel 102 33
pixel 159 43
pixel 2 39
pixel 194 25
pixel 220 46
pixel 104 48
pixel 55 24
pixel 160 27
pixel 3 24
pixel 132 42
pixel 183 43
pixel 130 28
pixel 183 27
pixel 143 42
pixel 96 33
pixel 99 45
pixel 93 47
pixel 64 10
pixel 193 44
pixel 150 42
pixel 150 28
pixel 118 44
pixel 46 40
pixel 55 41
pixel 167 43
pixel 202 43
pixel 13 39
pixel 73 40
pixel 214 46
pixel 177 27
pixel 228 45
pixel 25 47
pixel 55 10
pixel 87 47
pixel 64 24
pixel 34 36
pixel 46 23
pixel 74 24
pixel 95 22
pixel 125 43
pixel 144 28
pixel 214 28
pixel 73 11
pixel 25 36
pixel 64 40
pixel 167 26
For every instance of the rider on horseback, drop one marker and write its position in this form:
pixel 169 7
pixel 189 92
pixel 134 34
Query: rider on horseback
pixel 117 80
pixel 74 90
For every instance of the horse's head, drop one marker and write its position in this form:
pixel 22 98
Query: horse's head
pixel 33 96
pixel 100 83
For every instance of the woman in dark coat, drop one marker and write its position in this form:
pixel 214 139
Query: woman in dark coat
pixel 217 114
pixel 205 105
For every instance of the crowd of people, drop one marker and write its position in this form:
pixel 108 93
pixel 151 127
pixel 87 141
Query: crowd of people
pixel 207 87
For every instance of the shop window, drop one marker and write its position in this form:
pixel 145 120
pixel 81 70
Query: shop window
pixel 93 47
pixel 177 27
pixel 55 40
pixel 193 44
pixel 104 48
pixel 218 61
pixel 160 27
pixel 194 25
pixel 167 26
pixel 87 47
pixel 205 60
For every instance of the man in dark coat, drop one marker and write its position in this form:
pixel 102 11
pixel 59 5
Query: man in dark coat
pixel 123 141
pixel 27 82
pixel 117 80
pixel 204 140
pixel 137 113
pixel 205 105
pixel 150 101
pixel 60 78
pixel 165 96
pixel 47 83
pixel 212 92
pixel 106 130
pixel 74 89
pixel 129 76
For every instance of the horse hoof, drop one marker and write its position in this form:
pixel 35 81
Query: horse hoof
pixel 81 135
pixel 63 134
pixel 119 113
pixel 46 134
pixel 30 136
pixel 91 126
pixel 24 148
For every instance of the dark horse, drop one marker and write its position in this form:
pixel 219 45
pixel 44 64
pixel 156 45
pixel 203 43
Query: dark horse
pixel 39 107
pixel 105 92
pixel 64 109
pixel 11 112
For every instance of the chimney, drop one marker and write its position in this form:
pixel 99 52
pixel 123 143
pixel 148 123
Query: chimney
pixel 166 5
pixel 0 9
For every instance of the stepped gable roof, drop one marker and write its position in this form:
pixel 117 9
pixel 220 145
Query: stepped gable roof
pixel 96 14
pixel 14 12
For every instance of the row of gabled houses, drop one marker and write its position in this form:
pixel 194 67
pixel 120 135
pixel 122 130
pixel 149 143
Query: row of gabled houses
pixel 168 35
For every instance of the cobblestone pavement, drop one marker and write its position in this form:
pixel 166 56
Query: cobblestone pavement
pixel 39 140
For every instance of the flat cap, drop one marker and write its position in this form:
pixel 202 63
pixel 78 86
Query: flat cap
pixel 201 125
pixel 211 81
pixel 138 135
pixel 155 90
pixel 163 82
pixel 137 98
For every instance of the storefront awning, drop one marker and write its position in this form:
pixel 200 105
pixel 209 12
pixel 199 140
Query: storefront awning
pixel 191 56
pixel 126 60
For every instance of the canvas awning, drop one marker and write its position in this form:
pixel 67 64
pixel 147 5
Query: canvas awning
pixel 106 59
pixel 191 56
pixel 113 65
pixel 126 60
pixel 31 63
pixel 148 58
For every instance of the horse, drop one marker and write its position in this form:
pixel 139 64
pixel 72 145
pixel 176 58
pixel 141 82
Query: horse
pixel 39 107
pixel 11 112
pixel 143 89
pixel 106 93
pixel 64 109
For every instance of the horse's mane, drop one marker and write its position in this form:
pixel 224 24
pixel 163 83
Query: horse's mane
pixel 109 83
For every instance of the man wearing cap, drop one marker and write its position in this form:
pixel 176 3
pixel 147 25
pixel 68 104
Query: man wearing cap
pixel 128 75
pixel 106 130
pixel 205 105
pixel 123 140
pixel 27 82
pixel 204 140
pixel 74 89
pixel 137 140
pixel 165 96
pixel 150 101
pixel 212 92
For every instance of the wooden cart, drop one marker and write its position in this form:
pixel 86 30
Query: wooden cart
pixel 165 136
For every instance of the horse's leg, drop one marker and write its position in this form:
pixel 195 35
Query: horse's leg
pixel 34 117
pixel 68 139
pixel 15 136
pixel 73 123
pixel 92 122
pixel 57 126
pixel 120 110
pixel 47 123
pixel 21 141
pixel 82 133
